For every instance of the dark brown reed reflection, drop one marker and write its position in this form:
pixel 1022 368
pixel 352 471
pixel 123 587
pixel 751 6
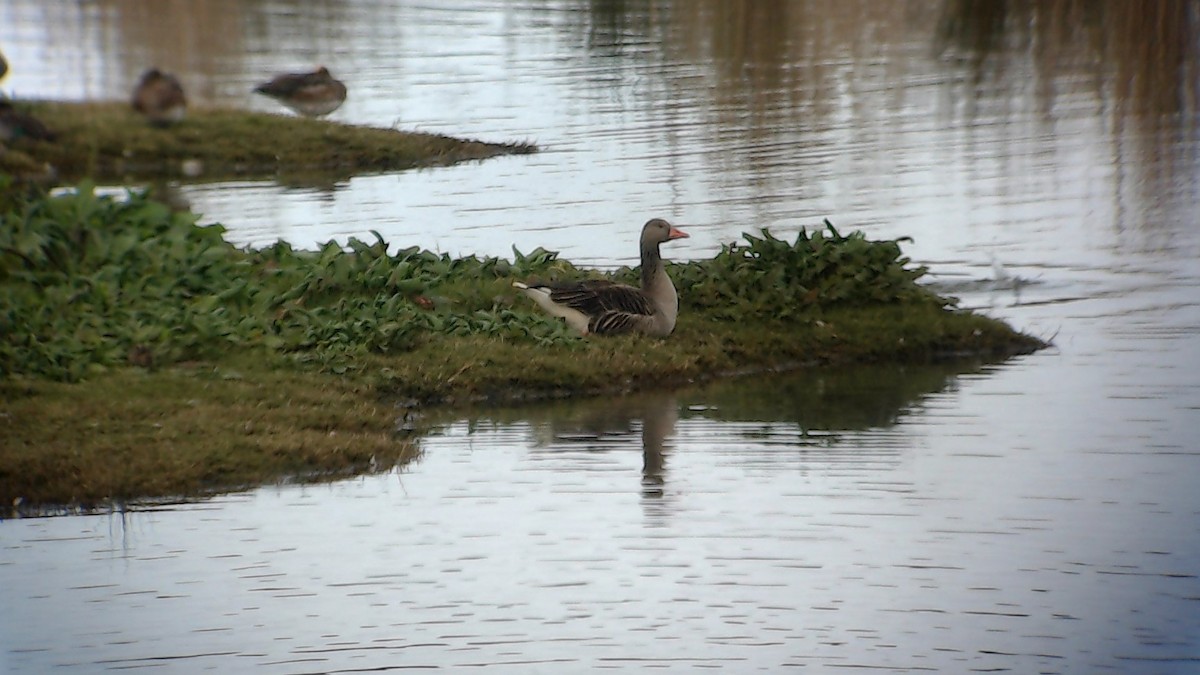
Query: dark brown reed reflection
pixel 761 51
pixel 790 84
pixel 973 28
pixel 1143 54
pixel 195 40
pixel 762 57
pixel 201 41
pixel 1135 63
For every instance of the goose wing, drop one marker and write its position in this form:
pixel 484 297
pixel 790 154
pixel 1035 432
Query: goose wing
pixel 597 296
pixel 610 307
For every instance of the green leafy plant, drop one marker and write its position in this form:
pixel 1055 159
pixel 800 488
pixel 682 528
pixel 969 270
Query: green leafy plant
pixel 769 278
pixel 90 282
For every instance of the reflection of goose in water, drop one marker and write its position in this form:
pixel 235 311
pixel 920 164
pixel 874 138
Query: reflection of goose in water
pixel 658 426
pixel 604 425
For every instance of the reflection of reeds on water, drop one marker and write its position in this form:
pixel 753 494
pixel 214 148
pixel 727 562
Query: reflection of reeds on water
pixel 1143 53
pixel 785 72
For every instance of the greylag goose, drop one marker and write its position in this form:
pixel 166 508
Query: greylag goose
pixel 309 94
pixel 605 307
pixel 159 98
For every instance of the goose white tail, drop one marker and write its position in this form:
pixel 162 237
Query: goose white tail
pixel 541 295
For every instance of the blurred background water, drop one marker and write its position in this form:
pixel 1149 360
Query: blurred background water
pixel 1038 515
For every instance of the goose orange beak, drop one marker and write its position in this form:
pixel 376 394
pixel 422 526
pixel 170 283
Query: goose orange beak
pixel 677 233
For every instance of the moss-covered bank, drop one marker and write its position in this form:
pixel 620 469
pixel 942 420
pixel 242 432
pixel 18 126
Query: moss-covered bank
pixel 189 430
pixel 142 355
pixel 109 141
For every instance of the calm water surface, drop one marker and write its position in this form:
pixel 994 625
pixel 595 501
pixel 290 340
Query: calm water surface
pixel 1039 515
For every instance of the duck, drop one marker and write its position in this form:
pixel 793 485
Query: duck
pixel 15 124
pixel 159 97
pixel 602 307
pixel 310 94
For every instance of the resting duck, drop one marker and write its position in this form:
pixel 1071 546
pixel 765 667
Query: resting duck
pixel 159 98
pixel 15 124
pixel 605 307
pixel 309 94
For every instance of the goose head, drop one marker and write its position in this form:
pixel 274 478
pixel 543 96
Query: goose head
pixel 657 231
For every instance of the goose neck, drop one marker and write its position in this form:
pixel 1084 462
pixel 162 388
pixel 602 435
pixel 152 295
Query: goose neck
pixel 652 265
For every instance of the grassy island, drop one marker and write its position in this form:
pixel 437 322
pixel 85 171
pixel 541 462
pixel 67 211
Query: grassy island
pixel 108 141
pixel 142 356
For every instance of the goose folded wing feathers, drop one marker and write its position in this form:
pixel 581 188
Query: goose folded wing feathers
pixel 598 296
pixel 610 307
pixel 611 323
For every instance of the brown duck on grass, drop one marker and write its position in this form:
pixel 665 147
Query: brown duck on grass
pixel 159 97
pixel 309 94
pixel 604 307
pixel 15 124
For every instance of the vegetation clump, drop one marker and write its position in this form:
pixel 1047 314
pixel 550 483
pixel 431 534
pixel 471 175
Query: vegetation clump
pixel 770 278
pixel 89 283
pixel 118 314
